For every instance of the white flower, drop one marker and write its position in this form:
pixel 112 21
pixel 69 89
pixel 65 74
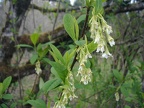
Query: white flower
pixel 37 68
pixel 108 29
pixel 80 68
pixel 106 55
pixel 111 40
pixel 100 48
pixel 89 56
pixel 97 38
pixel 112 43
pixel 85 82
pixel 117 96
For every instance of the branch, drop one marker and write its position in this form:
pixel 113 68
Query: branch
pixel 12 71
pixel 110 9
pixel 43 10
pixel 123 9
pixel 55 37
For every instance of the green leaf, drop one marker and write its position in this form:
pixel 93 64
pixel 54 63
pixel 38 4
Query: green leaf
pixel 1 90
pixel 80 43
pixel 129 99
pixel 37 103
pixel 34 38
pixel 68 56
pixel 51 84
pixel 53 71
pixel 124 91
pixel 76 28
pixel 42 50
pixel 60 69
pixel 118 75
pixel 24 45
pixel 81 18
pixel 98 6
pixel 3 106
pixel 57 54
pixel 39 47
pixel 41 83
pixel 7 96
pixel 88 64
pixel 71 26
pixel 13 105
pixel 92 47
pixel 6 83
pixel 33 58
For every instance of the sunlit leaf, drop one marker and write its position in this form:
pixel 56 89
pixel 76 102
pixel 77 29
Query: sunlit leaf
pixel 7 96
pixel 6 83
pixel 92 47
pixel 33 58
pixel 56 53
pixel 71 26
pixel 37 103
pixel 50 84
pixel 34 38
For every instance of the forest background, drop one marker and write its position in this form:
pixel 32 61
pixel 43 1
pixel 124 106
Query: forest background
pixel 33 35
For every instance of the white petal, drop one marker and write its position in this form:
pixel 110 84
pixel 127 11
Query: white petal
pixel 112 43
pixel 104 55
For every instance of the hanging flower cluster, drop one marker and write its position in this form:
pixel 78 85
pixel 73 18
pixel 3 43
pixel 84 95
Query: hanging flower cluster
pixel 68 92
pixel 100 33
pixel 37 68
pixel 83 71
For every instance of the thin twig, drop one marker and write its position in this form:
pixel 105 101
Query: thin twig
pixel 86 21
pixel 56 15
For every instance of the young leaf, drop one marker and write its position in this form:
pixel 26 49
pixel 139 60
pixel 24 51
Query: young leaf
pixel 42 50
pixel 76 29
pixel 98 6
pixel 41 83
pixel 34 38
pixel 124 91
pixel 1 90
pixel 6 83
pixel 118 75
pixel 68 56
pixel 37 103
pixel 92 47
pixel 53 71
pixel 71 26
pixel 13 105
pixel 60 69
pixel 56 53
pixel 7 96
pixel 50 84
pixel 3 105
pixel 81 18
pixel 80 42
pixel 33 58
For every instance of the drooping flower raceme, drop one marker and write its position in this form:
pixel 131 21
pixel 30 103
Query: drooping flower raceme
pixel 83 71
pixel 68 92
pixel 37 68
pixel 100 33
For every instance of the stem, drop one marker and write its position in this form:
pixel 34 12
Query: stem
pixel 82 35
pixel 86 21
